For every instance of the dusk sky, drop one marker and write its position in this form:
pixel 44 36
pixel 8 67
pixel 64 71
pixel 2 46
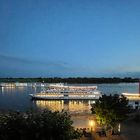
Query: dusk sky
pixel 69 38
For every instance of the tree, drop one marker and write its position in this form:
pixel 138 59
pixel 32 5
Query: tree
pixel 44 125
pixel 110 110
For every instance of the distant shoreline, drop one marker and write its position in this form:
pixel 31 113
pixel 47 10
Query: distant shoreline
pixel 71 80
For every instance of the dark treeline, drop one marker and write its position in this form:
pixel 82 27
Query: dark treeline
pixel 44 125
pixel 73 80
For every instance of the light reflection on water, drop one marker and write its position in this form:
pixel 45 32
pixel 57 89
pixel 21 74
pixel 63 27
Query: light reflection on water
pixel 73 106
pixel 17 98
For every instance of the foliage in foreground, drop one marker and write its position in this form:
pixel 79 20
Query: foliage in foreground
pixel 110 110
pixel 44 125
pixel 137 118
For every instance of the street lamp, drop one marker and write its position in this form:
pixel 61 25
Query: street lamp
pixel 92 124
pixel 119 128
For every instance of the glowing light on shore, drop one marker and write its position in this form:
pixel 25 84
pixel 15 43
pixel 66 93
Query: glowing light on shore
pixel 119 128
pixel 92 124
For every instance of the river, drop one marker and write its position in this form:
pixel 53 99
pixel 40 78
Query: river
pixel 17 98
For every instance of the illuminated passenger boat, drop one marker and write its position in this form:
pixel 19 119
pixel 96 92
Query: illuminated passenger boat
pixel 132 96
pixel 63 92
pixel 7 85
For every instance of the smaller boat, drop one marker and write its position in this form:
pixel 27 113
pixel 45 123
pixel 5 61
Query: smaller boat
pixel 7 85
pixel 132 96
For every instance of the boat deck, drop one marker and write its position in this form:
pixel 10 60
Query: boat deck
pixel 132 96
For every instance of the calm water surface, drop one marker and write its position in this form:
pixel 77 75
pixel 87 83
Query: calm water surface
pixel 18 98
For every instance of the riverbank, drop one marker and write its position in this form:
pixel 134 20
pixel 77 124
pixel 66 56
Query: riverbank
pixel 130 129
pixel 73 80
pixel 82 121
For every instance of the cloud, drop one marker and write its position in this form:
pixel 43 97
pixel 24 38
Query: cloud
pixel 18 60
pixel 24 67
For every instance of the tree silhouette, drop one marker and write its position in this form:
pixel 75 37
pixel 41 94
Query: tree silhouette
pixel 44 125
pixel 110 110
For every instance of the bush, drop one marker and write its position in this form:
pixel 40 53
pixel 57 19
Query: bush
pixel 44 125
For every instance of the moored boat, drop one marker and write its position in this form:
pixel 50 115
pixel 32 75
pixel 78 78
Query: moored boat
pixel 132 96
pixel 65 92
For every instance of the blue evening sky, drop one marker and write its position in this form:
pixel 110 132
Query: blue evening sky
pixel 69 38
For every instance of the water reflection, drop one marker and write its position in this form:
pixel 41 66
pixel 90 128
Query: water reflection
pixel 2 89
pixel 17 98
pixel 11 90
pixel 7 90
pixel 73 106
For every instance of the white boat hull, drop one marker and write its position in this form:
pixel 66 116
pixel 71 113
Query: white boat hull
pixel 35 97
pixel 64 92
pixel 132 96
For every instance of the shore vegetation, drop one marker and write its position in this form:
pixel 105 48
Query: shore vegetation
pixel 110 111
pixel 45 125
pixel 73 80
